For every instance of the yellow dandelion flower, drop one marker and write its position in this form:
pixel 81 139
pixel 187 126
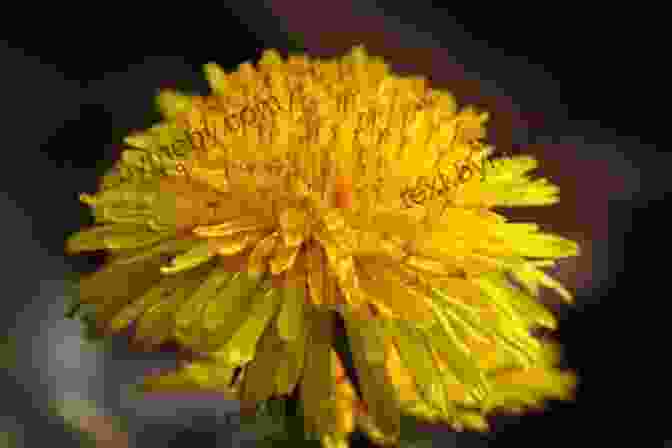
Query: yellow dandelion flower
pixel 298 187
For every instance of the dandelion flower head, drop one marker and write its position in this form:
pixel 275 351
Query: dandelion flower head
pixel 299 187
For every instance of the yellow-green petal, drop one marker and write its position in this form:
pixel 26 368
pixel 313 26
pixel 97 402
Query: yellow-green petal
pixel 229 309
pixel 209 374
pixel 109 236
pixel 530 388
pixel 172 103
pixel 216 77
pixel 172 246
pixel 157 324
pixel 507 182
pixel 259 383
pixel 377 392
pixel 531 278
pixel 134 309
pixel 119 283
pixel 196 256
pixel 290 319
pixel 291 365
pixel 418 360
pixel 241 347
pixel 317 386
pixel 459 358
pixel 189 317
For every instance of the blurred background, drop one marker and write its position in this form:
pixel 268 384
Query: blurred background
pixel 573 86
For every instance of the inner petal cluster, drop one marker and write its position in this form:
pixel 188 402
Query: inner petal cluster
pixel 314 163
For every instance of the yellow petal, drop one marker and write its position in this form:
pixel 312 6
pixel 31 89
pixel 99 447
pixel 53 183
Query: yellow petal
pixel 387 287
pixel 283 258
pixel 316 265
pixel 247 224
pixel 292 219
pixel 345 398
pixel 398 374
pixel 235 244
pixel 263 250
pixel 428 265
pixel 348 281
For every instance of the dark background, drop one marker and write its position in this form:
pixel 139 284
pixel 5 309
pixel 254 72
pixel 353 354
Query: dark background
pixel 578 88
